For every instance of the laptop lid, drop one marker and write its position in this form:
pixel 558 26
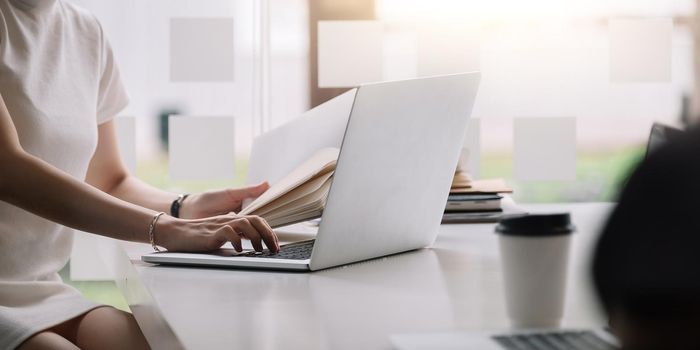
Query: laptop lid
pixel 395 168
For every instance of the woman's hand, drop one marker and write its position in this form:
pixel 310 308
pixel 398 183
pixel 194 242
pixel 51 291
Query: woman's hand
pixel 219 202
pixel 207 221
pixel 213 232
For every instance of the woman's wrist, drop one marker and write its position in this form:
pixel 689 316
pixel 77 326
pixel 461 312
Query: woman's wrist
pixel 169 230
pixel 187 207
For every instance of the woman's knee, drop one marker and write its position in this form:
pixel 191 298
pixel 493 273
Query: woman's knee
pixel 107 327
pixel 47 340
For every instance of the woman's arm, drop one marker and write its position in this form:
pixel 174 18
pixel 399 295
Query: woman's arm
pixel 36 186
pixel 108 173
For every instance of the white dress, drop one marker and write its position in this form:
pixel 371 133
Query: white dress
pixel 59 81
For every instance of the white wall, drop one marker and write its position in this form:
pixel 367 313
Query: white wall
pixel 139 33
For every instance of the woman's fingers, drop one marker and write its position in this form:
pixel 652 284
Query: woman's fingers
pixel 232 228
pixel 244 226
pixel 266 233
pixel 236 241
pixel 227 233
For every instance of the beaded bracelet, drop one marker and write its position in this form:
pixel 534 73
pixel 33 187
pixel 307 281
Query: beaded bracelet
pixel 152 231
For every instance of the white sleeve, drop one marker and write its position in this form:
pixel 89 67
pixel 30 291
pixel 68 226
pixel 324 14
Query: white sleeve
pixel 111 97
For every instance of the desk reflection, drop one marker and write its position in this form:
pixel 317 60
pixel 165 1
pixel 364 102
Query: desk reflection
pixel 399 293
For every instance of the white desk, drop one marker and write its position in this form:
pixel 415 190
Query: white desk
pixel 454 285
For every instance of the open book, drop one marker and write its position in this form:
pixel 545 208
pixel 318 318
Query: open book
pixel 299 196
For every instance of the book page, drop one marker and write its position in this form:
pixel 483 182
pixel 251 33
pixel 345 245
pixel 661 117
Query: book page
pixel 311 203
pixel 296 194
pixel 321 162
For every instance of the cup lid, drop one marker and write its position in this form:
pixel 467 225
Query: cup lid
pixel 536 225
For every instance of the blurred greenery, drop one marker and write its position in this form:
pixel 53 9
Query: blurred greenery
pixel 599 176
pixel 102 292
pixel 155 172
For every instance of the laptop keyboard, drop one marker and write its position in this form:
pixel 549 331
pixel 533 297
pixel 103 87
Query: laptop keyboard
pixel 565 340
pixel 294 251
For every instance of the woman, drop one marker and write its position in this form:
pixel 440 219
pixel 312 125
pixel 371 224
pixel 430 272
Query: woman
pixel 59 90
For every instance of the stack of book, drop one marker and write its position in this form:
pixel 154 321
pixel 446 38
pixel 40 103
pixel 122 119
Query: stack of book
pixel 301 195
pixel 477 201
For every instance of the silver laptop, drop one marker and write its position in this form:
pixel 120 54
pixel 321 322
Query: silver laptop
pixel 393 176
pixel 572 339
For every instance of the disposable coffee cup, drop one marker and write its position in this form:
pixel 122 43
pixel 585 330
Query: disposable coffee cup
pixel 534 258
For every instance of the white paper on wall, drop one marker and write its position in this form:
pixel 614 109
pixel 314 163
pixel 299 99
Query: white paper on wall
pixel 544 148
pixel 126 139
pixel 641 50
pixel 349 53
pixel 201 148
pixel 201 49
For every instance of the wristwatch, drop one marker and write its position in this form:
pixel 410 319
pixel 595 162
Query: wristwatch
pixel 177 203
